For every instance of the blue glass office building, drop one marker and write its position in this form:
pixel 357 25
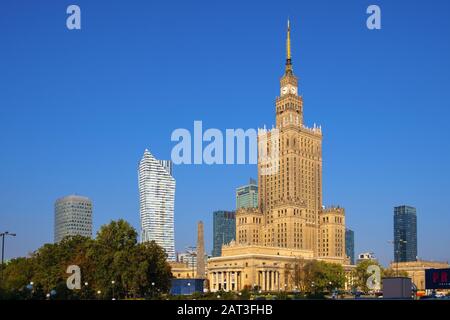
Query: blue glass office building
pixel 405 234
pixel 224 230
pixel 350 245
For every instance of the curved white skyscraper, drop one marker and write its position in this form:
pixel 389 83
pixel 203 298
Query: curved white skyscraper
pixel 157 198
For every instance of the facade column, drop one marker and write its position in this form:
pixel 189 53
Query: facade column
pixel 278 280
pixel 238 287
pixel 265 280
pixel 259 278
pixel 218 279
pixel 270 280
pixel 275 287
pixel 225 284
pixel 232 280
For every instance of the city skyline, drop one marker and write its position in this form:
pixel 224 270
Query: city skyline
pixel 372 124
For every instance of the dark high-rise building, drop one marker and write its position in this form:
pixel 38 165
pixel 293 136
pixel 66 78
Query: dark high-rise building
pixel 350 245
pixel 224 230
pixel 405 234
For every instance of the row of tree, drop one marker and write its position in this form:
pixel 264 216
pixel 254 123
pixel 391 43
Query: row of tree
pixel 113 265
pixel 314 276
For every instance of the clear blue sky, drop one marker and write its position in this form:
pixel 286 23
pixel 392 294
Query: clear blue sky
pixel 78 108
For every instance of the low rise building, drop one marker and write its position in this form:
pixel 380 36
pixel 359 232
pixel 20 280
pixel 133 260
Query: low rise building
pixel 416 270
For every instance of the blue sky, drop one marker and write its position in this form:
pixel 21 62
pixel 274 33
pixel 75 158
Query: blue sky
pixel 78 108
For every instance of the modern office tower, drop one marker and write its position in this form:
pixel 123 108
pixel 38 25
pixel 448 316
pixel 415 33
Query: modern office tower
pixel 200 251
pixel 73 216
pixel 405 234
pixel 350 245
pixel 247 196
pixel 224 230
pixel 157 198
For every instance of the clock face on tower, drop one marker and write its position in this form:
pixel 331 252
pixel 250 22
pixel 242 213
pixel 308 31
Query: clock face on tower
pixel 293 90
pixel 284 90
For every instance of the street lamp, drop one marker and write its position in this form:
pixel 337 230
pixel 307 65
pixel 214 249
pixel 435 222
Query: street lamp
pixel 113 282
pixel 3 235
pixel 397 252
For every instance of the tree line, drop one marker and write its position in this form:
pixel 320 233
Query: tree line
pixel 113 265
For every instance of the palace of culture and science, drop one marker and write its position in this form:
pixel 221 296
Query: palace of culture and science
pixel 290 224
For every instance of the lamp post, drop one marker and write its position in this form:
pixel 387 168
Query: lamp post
pixel 31 288
pixel 112 283
pixel 3 235
pixel 397 252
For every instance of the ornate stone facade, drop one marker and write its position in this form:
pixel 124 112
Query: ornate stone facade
pixel 290 222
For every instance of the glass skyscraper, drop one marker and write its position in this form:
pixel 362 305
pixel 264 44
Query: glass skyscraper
pixel 405 234
pixel 247 196
pixel 157 198
pixel 224 230
pixel 73 216
pixel 350 245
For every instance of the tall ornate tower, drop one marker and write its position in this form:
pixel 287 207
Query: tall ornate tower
pixel 290 198
pixel 290 222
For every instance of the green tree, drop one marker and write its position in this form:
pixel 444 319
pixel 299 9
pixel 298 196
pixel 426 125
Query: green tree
pixel 138 270
pixel 114 246
pixel 361 275
pixel 389 273
pixel 316 276
pixel 51 262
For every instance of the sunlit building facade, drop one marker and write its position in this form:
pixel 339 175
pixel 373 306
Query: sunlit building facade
pixel 290 223
pixel 157 200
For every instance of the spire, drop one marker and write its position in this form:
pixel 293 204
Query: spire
pixel 288 49
pixel 288 42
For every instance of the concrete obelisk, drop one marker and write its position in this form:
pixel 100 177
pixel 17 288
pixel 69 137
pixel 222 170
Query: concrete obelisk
pixel 200 251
